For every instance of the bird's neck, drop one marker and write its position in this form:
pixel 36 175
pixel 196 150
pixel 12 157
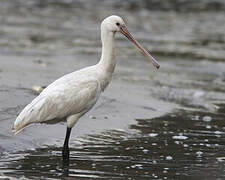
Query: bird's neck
pixel 107 62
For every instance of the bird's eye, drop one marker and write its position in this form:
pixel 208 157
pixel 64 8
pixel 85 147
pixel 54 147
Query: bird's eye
pixel 117 24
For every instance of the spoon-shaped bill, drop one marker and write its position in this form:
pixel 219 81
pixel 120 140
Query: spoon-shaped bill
pixel 126 33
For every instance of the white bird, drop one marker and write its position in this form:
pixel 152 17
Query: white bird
pixel 72 95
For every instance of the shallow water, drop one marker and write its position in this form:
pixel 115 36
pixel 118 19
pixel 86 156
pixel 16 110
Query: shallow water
pixel 187 144
pixel 148 124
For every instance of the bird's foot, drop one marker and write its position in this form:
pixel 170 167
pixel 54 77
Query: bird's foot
pixel 65 161
pixel 66 150
pixel 65 154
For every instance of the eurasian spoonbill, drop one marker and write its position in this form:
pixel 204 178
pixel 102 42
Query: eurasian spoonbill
pixel 72 95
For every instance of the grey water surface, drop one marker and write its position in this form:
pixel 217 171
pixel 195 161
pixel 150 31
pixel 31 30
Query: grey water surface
pixel 148 124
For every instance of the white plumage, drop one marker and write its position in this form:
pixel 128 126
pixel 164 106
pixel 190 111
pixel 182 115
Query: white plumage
pixel 71 96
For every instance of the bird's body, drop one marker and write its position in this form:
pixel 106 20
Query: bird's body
pixel 71 96
pixel 68 97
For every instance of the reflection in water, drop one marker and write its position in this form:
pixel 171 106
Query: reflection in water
pixel 181 144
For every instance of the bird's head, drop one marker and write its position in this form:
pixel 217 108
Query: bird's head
pixel 116 24
pixel 113 23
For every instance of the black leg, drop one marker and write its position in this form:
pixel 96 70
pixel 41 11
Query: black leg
pixel 65 150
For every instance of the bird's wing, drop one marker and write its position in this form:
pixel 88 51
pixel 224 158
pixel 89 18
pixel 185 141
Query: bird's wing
pixel 60 100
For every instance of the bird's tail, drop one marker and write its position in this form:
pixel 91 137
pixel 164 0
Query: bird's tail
pixel 18 126
pixel 16 131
